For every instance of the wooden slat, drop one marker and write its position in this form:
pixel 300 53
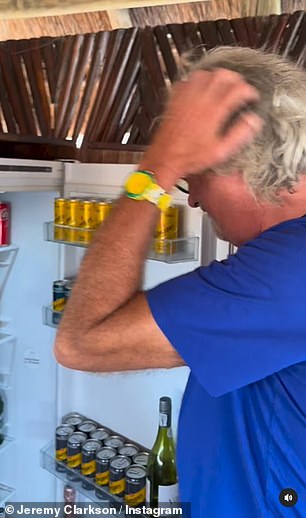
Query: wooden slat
pixel 277 34
pixel 22 87
pixel 269 26
pixel 47 50
pixel 116 74
pixel 6 105
pixel 162 39
pixel 150 59
pixel 226 32
pixel 77 77
pixel 126 123
pixel 210 34
pixel 252 32
pixel 101 103
pixel 290 33
pixel 127 81
pixel 298 49
pixel 65 84
pixel 99 50
pixel 241 32
pixel 33 64
pixel 10 82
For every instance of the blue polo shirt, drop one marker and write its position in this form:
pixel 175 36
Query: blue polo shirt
pixel 240 325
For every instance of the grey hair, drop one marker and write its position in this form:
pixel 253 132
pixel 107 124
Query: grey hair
pixel 276 159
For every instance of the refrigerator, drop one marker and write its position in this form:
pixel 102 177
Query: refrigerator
pixel 36 390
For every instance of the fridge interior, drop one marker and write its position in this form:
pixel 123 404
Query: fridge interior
pixel 41 391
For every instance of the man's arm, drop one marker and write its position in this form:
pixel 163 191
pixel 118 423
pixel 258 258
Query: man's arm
pixel 107 324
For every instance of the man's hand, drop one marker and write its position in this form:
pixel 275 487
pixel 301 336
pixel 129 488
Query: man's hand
pixel 191 137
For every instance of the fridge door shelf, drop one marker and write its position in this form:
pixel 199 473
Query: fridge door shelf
pixel 51 318
pixel 165 250
pixel 6 493
pixel 98 494
pixel 7 350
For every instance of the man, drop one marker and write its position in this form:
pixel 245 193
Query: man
pixel 235 128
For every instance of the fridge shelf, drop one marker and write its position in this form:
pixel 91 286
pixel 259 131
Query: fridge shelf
pixel 97 494
pixel 50 317
pixel 6 492
pixel 7 350
pixel 165 250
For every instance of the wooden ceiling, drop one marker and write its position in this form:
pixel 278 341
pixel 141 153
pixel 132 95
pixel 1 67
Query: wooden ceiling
pixel 22 19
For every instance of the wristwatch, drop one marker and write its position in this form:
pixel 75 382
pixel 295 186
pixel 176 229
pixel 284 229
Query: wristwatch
pixel 141 185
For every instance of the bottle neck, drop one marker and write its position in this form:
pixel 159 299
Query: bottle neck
pixel 164 420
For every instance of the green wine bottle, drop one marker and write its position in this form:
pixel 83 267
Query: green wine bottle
pixel 162 484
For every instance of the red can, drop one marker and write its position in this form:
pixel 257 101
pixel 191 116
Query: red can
pixel 5 209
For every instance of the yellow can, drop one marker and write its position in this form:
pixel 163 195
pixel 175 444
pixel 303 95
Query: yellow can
pixel 60 211
pixel 60 208
pixel 101 211
pixel 87 221
pixel 73 219
pixel 167 228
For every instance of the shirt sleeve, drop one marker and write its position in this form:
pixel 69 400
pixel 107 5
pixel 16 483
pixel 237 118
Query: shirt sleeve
pixel 236 321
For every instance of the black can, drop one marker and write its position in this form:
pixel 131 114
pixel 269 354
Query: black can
pixel 73 419
pixel 67 290
pixel 58 300
pixel 61 438
pixel 74 455
pixel 100 434
pixel 88 466
pixel 135 485
pixel 103 458
pixel 117 468
pixel 129 450
pixel 114 441
pixel 141 458
pixel 74 449
pixel 87 427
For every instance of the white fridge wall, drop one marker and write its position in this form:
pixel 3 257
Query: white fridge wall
pixel 31 398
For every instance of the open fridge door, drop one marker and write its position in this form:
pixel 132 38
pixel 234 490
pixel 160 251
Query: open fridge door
pixel 127 402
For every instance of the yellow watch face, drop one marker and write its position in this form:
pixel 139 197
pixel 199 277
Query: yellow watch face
pixel 137 183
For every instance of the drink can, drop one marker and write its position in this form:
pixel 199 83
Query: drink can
pixel 5 223
pixel 114 441
pixel 135 485
pixel 74 449
pixel 103 458
pixel 67 289
pixel 128 449
pixel 167 228
pixel 101 211
pixel 117 468
pixel 87 427
pixel 58 300
pixel 60 209
pixel 88 466
pixel 100 434
pixel 62 434
pixel 141 458
pixel 73 419
pixel 73 219
pixel 87 221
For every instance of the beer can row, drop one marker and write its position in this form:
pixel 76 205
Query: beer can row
pixel 75 219
pixel 105 460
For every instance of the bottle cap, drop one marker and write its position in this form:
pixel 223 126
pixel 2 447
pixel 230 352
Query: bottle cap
pixel 165 405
